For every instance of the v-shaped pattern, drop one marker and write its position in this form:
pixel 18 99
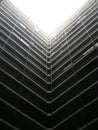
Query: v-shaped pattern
pixel 48 83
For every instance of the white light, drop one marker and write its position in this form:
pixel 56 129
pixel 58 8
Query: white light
pixel 48 14
pixel 96 45
pixel 89 50
pixel 24 42
pixel 21 39
pixel 22 25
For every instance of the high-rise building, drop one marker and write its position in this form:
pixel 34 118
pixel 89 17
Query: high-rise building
pixel 48 83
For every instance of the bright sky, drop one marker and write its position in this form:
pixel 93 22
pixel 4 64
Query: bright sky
pixel 48 14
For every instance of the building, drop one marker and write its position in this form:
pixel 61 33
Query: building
pixel 48 86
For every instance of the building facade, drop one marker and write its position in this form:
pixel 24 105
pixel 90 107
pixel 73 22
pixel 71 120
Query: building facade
pixel 48 83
